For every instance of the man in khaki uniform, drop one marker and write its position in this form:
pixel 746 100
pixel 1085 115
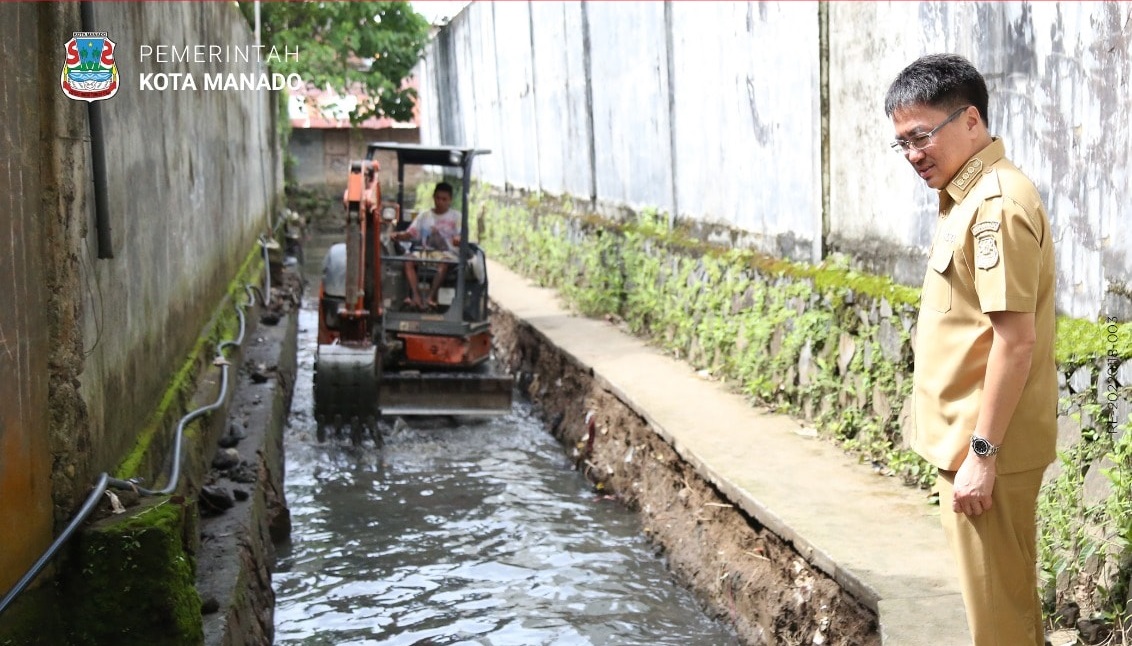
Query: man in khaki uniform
pixel 985 383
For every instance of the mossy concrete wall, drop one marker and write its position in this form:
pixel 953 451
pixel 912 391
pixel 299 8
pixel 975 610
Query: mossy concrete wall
pixel 94 346
pixel 138 556
pixel 834 346
pixel 193 182
pixel 132 582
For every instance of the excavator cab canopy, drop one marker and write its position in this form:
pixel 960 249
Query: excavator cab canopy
pixel 420 155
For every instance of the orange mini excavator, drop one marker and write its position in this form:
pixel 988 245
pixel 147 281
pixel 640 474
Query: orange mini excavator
pixel 376 354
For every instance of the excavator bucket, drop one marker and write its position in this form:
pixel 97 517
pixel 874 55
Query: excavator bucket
pixel 484 391
pixel 345 385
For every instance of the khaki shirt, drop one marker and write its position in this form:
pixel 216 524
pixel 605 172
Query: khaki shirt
pixel 992 252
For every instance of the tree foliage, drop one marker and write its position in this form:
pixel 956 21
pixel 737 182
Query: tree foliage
pixel 360 46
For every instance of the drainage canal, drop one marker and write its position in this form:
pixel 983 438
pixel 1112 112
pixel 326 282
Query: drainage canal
pixel 462 532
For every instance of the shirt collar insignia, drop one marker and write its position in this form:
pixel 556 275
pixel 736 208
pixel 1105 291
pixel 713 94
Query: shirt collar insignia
pixel 975 168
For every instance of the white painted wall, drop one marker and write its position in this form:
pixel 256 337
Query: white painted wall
pixel 1058 75
pixel 710 111
pixel 747 123
pixel 564 142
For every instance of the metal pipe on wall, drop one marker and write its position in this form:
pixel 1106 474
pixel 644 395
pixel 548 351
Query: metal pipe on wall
pixel 98 155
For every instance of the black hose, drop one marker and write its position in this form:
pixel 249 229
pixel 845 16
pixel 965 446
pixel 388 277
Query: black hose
pixel 64 536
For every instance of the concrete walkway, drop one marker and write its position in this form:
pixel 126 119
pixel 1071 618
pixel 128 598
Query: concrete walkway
pixel 879 540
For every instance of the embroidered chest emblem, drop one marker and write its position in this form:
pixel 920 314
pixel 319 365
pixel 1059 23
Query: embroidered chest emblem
pixel 986 252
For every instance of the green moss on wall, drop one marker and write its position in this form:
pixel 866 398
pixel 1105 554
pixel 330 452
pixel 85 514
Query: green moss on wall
pixel 747 318
pixel 174 402
pixel 1081 342
pixel 132 581
pixel 34 619
pixel 131 577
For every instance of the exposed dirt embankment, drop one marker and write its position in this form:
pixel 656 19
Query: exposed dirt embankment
pixel 739 570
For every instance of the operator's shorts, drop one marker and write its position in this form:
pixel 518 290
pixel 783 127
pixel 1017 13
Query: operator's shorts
pixel 475 262
pixel 434 254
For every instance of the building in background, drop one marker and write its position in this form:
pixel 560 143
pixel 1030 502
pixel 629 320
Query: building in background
pixel 323 140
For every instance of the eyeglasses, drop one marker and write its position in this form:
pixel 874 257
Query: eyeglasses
pixel 922 141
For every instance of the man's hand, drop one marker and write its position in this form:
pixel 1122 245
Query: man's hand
pixel 1008 367
pixel 974 484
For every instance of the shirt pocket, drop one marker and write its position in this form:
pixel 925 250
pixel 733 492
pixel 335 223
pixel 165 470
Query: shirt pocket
pixel 936 294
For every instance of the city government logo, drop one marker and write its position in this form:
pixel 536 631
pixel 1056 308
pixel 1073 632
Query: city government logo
pixel 89 72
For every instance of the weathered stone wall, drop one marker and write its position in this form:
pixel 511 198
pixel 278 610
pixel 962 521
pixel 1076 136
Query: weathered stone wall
pixel 321 157
pixel 1057 76
pixel 193 179
pixel 237 546
pixel 93 344
pixel 706 111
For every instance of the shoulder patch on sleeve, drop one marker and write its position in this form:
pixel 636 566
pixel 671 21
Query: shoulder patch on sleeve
pixel 986 252
pixel 984 227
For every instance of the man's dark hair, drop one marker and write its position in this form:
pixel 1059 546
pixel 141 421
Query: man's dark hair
pixel 443 187
pixel 944 81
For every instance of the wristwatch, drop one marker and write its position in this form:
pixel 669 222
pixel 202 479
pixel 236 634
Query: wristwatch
pixel 982 447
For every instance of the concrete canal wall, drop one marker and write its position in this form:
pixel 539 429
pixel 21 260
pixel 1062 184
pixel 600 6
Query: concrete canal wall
pixel 763 124
pixel 103 336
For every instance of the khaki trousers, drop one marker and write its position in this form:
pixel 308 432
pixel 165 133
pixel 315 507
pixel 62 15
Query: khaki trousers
pixel 997 557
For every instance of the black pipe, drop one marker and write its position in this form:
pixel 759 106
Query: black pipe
pixel 87 508
pixel 402 224
pixel 462 253
pixel 98 155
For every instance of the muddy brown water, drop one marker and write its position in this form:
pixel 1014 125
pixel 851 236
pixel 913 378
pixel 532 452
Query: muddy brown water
pixel 462 532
